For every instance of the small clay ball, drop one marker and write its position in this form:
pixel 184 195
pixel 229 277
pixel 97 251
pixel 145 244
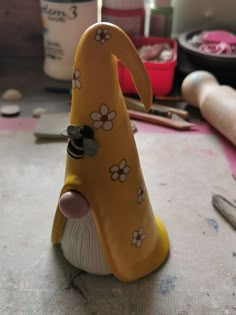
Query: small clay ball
pixel 12 95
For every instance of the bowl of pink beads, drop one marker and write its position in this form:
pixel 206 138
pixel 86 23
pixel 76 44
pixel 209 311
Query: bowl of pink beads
pixel 215 48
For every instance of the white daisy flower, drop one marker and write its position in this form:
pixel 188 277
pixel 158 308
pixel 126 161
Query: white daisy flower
pixel 102 35
pixel 138 237
pixel 75 79
pixel 104 118
pixel 119 172
pixel 141 193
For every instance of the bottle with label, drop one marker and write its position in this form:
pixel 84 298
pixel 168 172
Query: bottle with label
pixel 64 21
pixel 161 19
pixel 127 14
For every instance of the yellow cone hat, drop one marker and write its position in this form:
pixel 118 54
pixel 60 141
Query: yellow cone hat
pixel 133 240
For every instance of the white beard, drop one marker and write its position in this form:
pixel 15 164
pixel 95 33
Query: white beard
pixel 81 247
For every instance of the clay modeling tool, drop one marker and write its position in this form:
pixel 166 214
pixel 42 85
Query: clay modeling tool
pixel 226 208
pixel 170 98
pixel 138 106
pixel 158 120
pixel 156 109
pixel 180 112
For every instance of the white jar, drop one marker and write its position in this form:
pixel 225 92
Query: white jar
pixel 127 14
pixel 64 21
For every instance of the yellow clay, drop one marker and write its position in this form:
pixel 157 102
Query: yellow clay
pixel 134 242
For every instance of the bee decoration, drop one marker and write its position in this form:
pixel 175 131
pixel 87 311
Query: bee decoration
pixel 81 141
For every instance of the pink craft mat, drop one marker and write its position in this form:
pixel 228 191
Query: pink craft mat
pixel 18 123
pixel 29 124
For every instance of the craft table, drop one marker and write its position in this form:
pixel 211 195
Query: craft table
pixel 182 171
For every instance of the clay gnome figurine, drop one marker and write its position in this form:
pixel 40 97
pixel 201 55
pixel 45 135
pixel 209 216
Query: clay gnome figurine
pixel 104 219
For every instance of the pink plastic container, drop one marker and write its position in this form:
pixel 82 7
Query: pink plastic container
pixel 161 73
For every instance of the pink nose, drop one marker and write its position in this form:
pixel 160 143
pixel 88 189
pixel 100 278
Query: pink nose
pixel 73 205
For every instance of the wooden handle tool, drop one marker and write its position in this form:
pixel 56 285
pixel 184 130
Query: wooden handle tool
pixel 158 120
pixel 156 109
pixel 226 208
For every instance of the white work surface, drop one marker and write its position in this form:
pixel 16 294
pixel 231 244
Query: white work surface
pixel 182 171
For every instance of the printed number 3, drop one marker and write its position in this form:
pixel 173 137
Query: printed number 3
pixel 74 13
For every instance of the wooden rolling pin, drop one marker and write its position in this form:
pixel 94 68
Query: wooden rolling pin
pixel 217 103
